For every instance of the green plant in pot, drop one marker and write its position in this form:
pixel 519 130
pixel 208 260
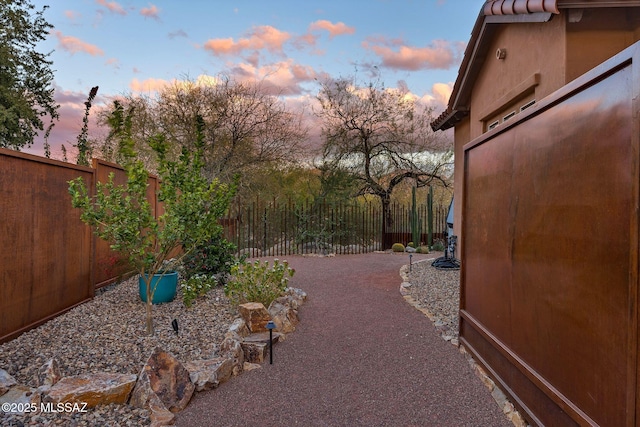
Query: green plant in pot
pixel 122 215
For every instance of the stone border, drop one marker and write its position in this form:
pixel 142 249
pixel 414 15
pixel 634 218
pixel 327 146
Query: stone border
pixel 164 385
pixel 508 409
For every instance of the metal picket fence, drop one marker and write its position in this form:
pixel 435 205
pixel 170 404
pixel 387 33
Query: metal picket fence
pixel 276 228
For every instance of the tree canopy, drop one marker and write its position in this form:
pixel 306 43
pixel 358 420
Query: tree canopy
pixel 381 137
pixel 26 90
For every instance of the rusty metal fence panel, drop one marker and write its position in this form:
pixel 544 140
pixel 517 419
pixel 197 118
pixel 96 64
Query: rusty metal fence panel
pixel 549 292
pixel 46 267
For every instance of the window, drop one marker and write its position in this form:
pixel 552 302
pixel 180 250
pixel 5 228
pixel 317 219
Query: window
pixel 492 125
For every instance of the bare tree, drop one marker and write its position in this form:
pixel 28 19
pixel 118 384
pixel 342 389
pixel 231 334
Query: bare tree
pixel 245 126
pixel 382 137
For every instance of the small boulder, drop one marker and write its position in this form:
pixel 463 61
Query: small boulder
pixel 284 315
pixel 165 377
pixel 101 388
pixel 255 316
pixel 232 349
pixel 49 373
pixel 6 381
pixel 22 395
pixel 239 327
pixel 208 374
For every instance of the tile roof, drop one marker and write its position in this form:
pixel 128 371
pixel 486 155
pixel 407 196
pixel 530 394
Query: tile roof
pixel 519 7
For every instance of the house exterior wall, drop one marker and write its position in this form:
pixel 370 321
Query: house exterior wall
pixel 597 35
pixel 541 58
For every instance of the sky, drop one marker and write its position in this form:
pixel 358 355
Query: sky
pixel 135 47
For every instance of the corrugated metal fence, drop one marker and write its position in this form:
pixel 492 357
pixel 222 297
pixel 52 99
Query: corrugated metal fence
pixel 277 228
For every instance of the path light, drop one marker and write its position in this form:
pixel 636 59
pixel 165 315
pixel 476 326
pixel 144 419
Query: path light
pixel 271 326
pixel 174 325
pixel 410 257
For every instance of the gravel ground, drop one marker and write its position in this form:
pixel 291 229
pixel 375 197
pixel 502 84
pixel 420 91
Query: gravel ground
pixel 108 334
pixel 438 293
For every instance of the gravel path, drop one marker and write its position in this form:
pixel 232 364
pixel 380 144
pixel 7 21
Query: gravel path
pixel 361 356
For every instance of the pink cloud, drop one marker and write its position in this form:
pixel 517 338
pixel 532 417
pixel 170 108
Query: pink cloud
pixel 112 6
pixel 150 12
pixel 74 45
pixel 148 85
pixel 262 37
pixel 72 15
pixel 282 78
pixel 113 61
pixel 337 29
pixel 442 54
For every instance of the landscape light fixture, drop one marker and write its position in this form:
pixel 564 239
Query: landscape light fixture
pixel 410 257
pixel 174 325
pixel 271 326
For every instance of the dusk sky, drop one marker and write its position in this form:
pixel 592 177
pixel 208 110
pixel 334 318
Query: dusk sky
pixel 129 46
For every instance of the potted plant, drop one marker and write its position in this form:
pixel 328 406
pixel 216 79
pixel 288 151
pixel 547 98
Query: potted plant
pixel 122 215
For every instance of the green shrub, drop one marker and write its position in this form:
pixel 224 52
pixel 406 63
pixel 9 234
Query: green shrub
pixel 397 247
pixel 196 286
pixel 424 249
pixel 438 246
pixel 411 244
pixel 258 282
pixel 212 257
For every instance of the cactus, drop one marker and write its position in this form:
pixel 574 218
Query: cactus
pixel 416 222
pixel 430 217
pixel 397 247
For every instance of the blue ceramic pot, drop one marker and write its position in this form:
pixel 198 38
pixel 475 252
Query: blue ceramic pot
pixel 166 289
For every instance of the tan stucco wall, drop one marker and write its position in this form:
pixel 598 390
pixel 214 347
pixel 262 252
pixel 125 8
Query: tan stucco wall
pixel 597 36
pixel 531 48
pixel 558 50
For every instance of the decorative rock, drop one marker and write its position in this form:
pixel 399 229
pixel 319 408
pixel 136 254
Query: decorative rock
pixel 165 377
pixel 255 346
pixel 6 381
pixel 93 389
pixel 239 327
pixel 254 352
pixel 160 415
pixel 283 315
pixel 410 250
pixel 296 297
pixel 251 366
pixel 22 395
pixel 255 316
pixel 49 373
pixel 232 349
pixel 208 374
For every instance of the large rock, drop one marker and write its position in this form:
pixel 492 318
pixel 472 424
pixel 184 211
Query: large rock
pixel 24 396
pixel 232 349
pixel 160 415
pixel 49 373
pixel 239 327
pixel 296 296
pixel 284 315
pixel 6 381
pixel 101 388
pixel 255 316
pixel 165 377
pixel 256 346
pixel 208 374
